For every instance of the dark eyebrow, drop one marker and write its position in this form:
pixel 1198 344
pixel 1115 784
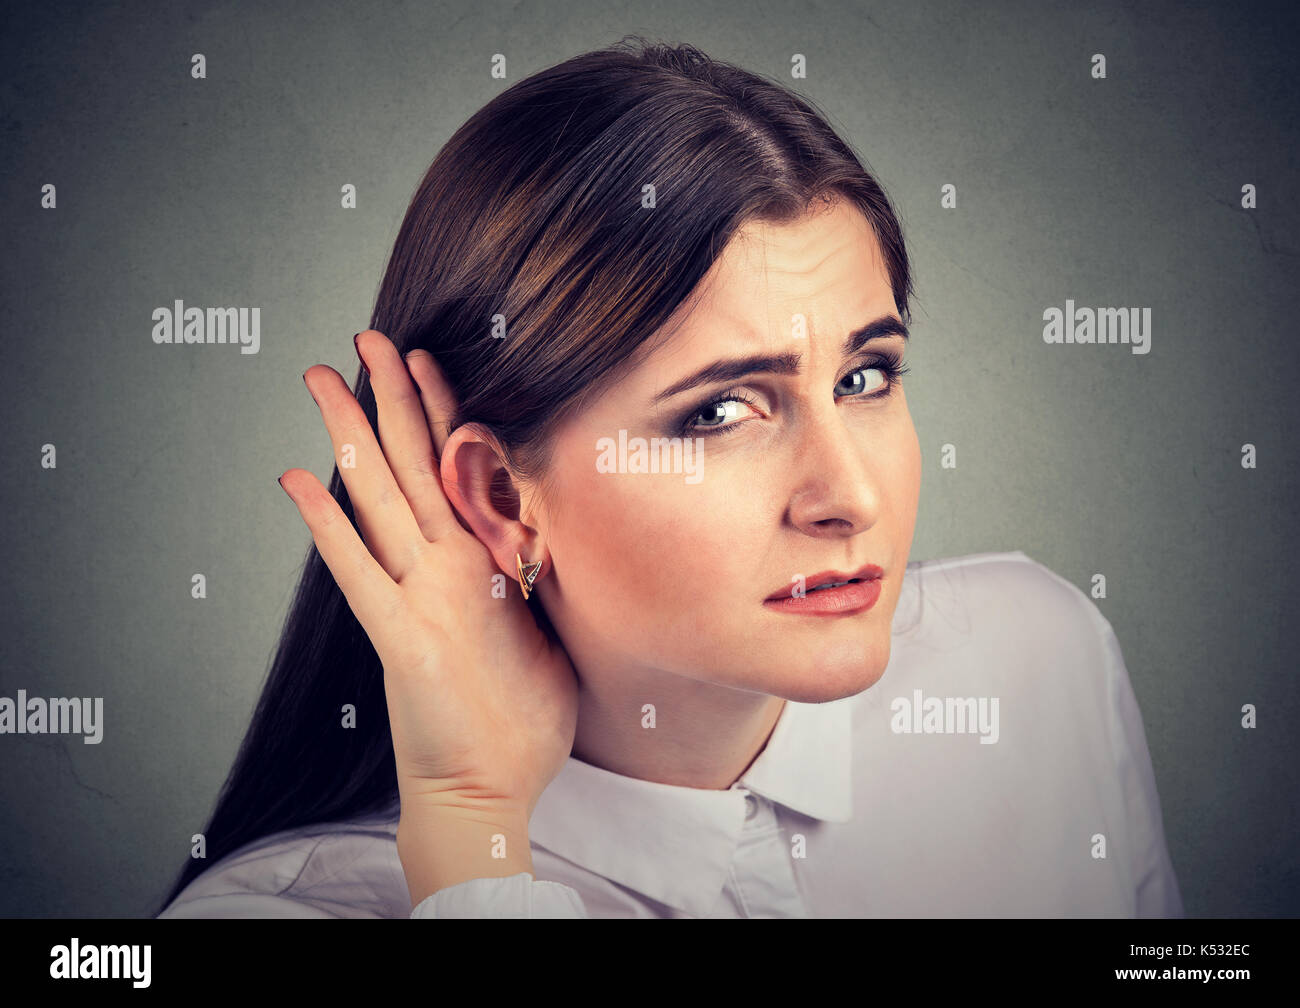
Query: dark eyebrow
pixel 783 364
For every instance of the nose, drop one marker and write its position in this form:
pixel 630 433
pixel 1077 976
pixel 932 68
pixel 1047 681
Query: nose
pixel 836 489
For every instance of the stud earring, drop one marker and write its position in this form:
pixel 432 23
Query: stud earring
pixel 527 574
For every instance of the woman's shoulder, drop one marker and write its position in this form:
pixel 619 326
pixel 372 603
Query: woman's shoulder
pixel 1011 626
pixel 993 593
pixel 1005 643
pixel 333 869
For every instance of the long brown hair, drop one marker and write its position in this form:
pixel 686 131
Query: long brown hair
pixel 537 217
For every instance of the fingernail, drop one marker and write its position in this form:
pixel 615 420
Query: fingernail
pixel 356 346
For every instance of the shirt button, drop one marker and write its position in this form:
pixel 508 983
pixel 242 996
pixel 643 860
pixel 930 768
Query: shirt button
pixel 751 807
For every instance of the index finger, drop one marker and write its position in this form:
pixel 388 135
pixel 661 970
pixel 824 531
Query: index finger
pixel 435 395
pixel 369 591
pixel 405 434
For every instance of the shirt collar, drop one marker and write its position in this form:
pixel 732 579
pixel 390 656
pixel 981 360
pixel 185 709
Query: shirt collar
pixel 675 844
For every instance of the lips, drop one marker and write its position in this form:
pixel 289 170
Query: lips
pixel 868 573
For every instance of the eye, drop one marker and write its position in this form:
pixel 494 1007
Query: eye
pixel 857 383
pixel 889 366
pixel 714 414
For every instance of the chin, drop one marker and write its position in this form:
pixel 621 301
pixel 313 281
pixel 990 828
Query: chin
pixel 828 673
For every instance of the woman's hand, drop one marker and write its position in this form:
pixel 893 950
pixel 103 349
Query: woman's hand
pixel 481 704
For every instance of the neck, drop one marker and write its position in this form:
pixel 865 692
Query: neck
pixel 703 735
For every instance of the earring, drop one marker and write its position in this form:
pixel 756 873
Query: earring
pixel 527 574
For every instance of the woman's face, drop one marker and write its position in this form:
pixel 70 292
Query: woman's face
pixel 783 474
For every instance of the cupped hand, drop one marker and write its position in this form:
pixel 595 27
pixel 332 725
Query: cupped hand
pixel 482 704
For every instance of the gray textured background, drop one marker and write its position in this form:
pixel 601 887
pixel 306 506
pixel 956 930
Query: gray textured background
pixel 1120 192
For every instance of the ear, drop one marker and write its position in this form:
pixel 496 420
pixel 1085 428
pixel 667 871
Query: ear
pixel 486 494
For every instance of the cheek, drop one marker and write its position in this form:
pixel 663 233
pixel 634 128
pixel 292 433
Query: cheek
pixel 902 476
pixel 634 549
pixel 910 478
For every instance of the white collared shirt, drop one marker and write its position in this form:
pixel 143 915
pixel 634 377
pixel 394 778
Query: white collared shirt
pixel 998 768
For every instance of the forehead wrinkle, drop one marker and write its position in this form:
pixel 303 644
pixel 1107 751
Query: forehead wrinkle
pixel 750 245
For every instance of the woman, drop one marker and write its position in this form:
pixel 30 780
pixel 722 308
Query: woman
pixel 638 349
